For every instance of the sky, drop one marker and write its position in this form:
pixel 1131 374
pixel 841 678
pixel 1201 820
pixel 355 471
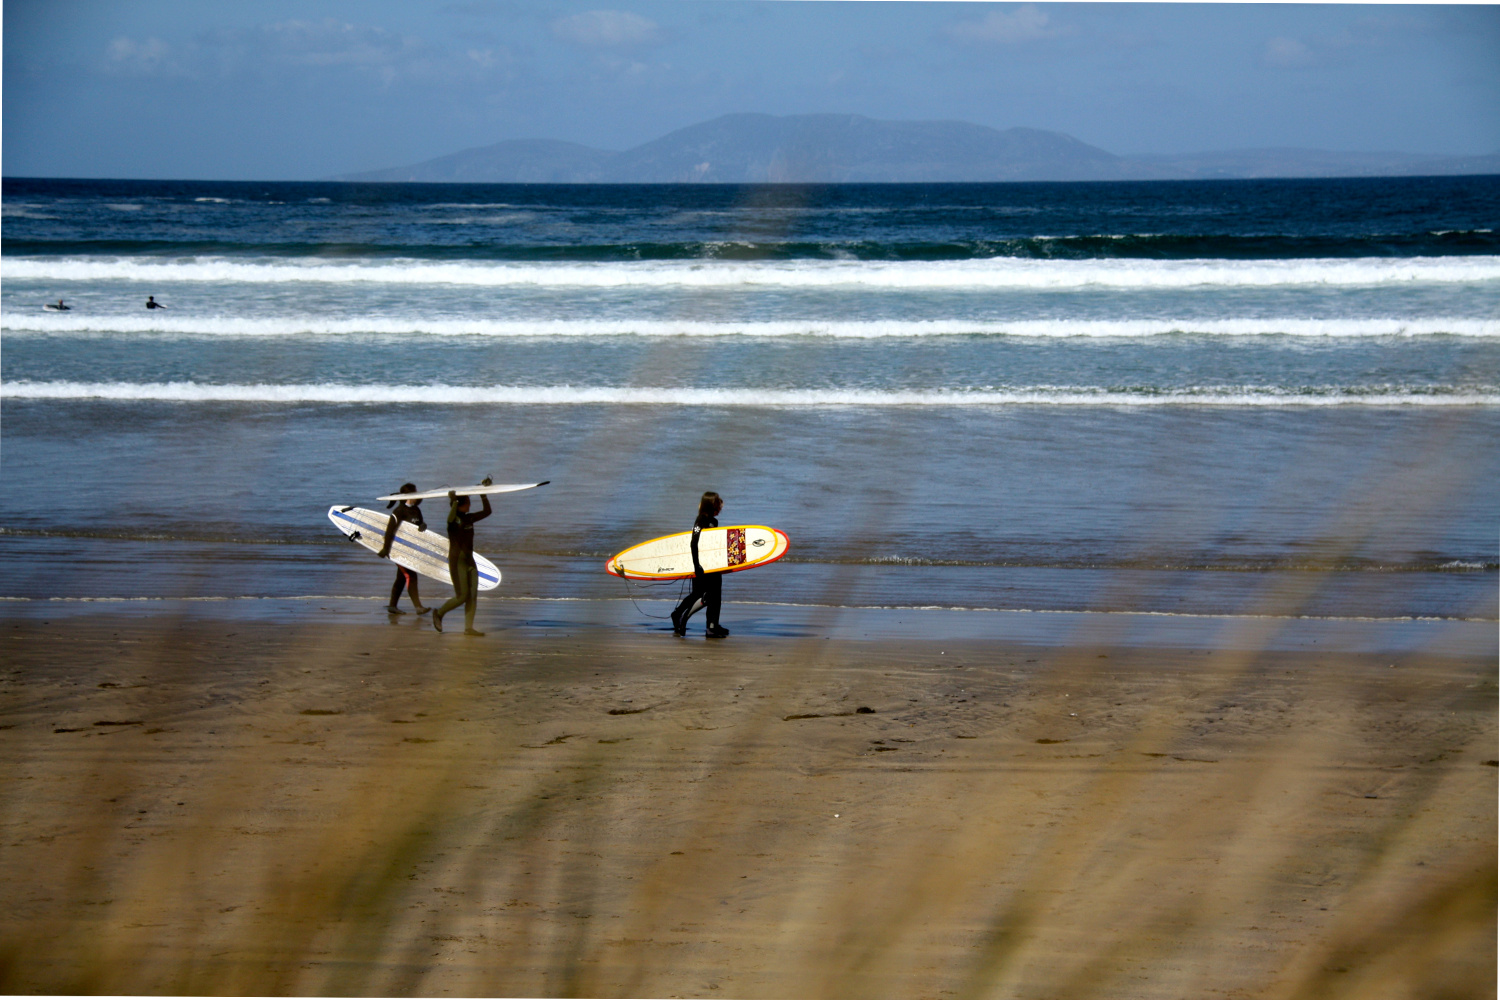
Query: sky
pixel 282 90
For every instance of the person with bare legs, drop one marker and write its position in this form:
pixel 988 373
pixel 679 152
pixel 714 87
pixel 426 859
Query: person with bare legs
pixel 406 579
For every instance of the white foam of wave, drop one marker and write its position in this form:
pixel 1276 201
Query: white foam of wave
pixel 993 273
pixel 904 608
pixel 504 219
pixel 242 597
pixel 472 204
pixel 23 212
pixel 299 326
pixel 565 395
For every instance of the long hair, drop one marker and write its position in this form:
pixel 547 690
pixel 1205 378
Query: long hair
pixel 405 488
pixel 708 506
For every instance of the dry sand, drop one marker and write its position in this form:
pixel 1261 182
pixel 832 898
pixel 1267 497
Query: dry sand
pixel 226 806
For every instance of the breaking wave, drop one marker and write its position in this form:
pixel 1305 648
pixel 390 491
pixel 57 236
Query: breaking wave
pixel 564 395
pixel 993 273
pixel 296 326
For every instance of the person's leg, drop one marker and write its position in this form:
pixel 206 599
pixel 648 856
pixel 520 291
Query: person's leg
pixel 685 609
pixel 411 591
pixel 396 589
pixel 712 598
pixel 471 602
pixel 457 574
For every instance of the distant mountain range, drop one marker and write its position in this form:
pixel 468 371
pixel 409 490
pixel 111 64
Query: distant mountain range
pixel 831 149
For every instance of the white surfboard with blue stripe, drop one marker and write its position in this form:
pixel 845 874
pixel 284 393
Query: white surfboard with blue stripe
pixel 426 552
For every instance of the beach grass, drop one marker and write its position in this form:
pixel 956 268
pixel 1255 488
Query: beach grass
pixel 223 805
pixel 340 811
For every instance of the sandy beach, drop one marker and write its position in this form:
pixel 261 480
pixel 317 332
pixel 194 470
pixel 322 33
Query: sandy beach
pixel 218 803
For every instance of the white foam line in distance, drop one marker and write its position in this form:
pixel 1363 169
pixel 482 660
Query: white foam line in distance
pixel 201 599
pixel 192 392
pixel 301 326
pixel 990 273
pixel 787 604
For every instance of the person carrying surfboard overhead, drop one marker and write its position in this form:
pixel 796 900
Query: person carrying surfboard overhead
pixel 406 579
pixel 461 564
pixel 708 587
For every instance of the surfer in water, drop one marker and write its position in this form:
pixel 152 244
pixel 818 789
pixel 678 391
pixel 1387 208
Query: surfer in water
pixel 461 559
pixel 60 307
pixel 151 303
pixel 707 587
pixel 406 579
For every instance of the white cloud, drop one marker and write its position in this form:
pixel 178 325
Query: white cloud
pixel 151 57
pixel 1287 53
pixel 293 48
pixel 603 29
pixel 1026 23
pixel 333 43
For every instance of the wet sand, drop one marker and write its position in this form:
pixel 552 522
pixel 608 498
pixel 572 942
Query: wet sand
pixel 208 805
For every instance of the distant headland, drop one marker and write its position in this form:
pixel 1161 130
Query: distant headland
pixel 835 149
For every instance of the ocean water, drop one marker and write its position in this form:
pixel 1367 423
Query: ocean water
pixel 1237 397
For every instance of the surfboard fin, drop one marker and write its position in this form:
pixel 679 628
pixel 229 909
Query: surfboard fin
pixel 345 510
pixel 355 537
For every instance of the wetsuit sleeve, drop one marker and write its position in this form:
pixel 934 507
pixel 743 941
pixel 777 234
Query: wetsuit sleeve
pixel 417 519
pixel 693 547
pixel 453 511
pixel 390 533
pixel 484 498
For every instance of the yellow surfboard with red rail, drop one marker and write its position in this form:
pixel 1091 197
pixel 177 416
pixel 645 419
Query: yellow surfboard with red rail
pixel 720 550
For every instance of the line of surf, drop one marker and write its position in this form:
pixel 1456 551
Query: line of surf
pixel 533 599
pixel 455 395
pixel 301 326
pixel 991 273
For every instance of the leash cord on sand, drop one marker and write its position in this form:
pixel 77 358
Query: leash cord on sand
pixel 664 583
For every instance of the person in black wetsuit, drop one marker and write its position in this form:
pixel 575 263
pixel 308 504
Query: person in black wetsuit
pixel 461 564
pixel 406 579
pixel 151 303
pixel 707 587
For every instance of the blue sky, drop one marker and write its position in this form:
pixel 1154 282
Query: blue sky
pixel 299 90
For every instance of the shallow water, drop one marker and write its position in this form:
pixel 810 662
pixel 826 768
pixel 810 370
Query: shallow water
pixel 1211 398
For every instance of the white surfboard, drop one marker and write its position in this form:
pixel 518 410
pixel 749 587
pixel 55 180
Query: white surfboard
pixel 465 491
pixel 720 550
pixel 426 552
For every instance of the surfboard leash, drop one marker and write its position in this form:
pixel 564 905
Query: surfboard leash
pixel 664 583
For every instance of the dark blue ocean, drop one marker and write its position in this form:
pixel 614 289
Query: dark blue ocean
pixel 1233 397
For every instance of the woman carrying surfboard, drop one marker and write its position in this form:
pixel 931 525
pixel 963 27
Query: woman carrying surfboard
pixel 406 579
pixel 708 587
pixel 461 566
